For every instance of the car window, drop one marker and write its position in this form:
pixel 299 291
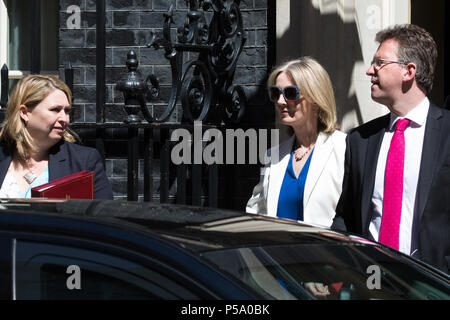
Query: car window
pixel 47 271
pixel 345 272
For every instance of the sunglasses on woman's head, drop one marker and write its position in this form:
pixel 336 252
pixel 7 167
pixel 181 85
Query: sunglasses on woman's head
pixel 290 93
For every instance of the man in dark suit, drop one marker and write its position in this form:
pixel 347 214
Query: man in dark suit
pixel 396 187
pixel 447 103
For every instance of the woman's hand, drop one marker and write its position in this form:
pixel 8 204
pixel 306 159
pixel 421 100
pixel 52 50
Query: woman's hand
pixel 317 289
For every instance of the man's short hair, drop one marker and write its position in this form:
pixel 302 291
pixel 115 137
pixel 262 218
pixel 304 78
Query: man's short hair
pixel 415 45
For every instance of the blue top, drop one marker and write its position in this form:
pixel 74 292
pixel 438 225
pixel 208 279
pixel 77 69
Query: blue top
pixel 290 200
pixel 42 179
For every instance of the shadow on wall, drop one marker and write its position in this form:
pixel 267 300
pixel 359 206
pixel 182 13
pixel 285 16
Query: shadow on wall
pixel 330 40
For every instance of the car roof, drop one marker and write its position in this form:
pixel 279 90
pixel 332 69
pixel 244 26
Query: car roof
pixel 194 228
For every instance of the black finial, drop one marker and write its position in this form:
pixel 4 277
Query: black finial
pixel 132 61
pixel 4 86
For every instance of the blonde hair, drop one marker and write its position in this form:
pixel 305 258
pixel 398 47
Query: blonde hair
pixel 315 85
pixel 29 91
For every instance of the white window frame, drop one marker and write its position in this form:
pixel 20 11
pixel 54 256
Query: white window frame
pixel 4 41
pixel 3 33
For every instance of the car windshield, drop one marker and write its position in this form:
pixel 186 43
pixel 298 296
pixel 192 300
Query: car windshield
pixel 333 271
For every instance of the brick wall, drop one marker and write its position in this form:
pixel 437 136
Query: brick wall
pixel 129 24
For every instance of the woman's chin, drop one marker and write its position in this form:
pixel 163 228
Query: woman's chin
pixel 286 120
pixel 54 139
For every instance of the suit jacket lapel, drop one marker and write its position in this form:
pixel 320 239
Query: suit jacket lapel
pixel 321 154
pixel 277 172
pixel 58 162
pixel 5 161
pixel 369 171
pixel 430 154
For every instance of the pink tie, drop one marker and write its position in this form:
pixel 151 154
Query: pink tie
pixel 393 188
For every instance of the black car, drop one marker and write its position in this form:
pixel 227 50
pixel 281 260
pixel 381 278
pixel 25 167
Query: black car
pixel 89 249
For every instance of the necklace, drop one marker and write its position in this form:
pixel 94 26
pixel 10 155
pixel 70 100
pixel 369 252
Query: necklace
pixel 300 157
pixel 29 177
pixel 29 168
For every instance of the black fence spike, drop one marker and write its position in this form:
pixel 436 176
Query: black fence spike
pixel 4 86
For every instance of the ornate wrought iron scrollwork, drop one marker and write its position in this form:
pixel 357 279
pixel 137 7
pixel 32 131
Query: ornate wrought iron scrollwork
pixel 205 84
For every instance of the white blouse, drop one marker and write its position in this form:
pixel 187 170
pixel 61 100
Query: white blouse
pixel 10 188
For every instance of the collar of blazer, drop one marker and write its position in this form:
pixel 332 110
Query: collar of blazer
pixel 58 156
pixel 433 153
pixel 321 154
pixel 58 163
pixel 5 161
pixel 373 131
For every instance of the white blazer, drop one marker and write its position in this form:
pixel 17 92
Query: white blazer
pixel 323 184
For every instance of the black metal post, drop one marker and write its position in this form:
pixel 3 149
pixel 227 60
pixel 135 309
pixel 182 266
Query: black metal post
pixel 213 184
pixel 133 164
pixel 101 60
pixel 181 183
pixel 100 74
pixel 228 177
pixel 100 143
pixel 68 77
pixel 196 184
pixel 148 164
pixel 4 86
pixel 197 159
pixel 447 54
pixel 271 34
pixel 164 165
pixel 35 36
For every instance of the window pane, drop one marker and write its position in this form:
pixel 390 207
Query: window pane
pixel 284 272
pixel 42 272
pixel 96 285
pixel 19 34
pixel 19 39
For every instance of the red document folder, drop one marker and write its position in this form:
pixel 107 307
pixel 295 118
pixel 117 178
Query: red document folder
pixel 78 185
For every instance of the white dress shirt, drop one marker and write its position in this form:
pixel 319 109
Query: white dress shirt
pixel 414 134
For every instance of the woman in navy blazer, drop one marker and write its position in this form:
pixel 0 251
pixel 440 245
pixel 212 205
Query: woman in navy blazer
pixel 36 144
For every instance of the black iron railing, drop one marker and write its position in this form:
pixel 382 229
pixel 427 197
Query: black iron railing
pixel 5 88
pixel 141 141
pixel 35 36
